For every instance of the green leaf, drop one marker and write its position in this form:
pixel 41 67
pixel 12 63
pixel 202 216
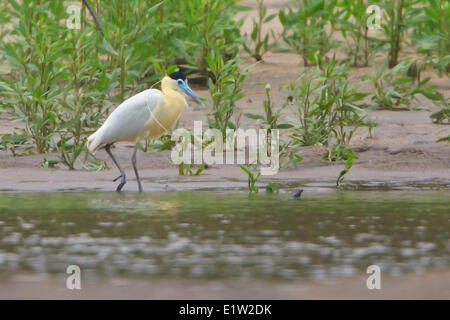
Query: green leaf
pixel 107 46
pixel 254 116
pixel 155 7
pixel 270 18
pixel 284 126
pixel 20 113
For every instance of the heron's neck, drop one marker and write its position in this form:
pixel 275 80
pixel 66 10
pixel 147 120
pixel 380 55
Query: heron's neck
pixel 173 97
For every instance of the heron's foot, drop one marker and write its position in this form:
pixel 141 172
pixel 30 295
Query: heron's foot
pixel 140 186
pixel 123 180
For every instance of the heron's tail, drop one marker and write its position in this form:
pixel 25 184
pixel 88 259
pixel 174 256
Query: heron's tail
pixel 94 142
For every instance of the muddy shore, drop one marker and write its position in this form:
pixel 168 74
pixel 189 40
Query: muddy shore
pixel 431 285
pixel 402 149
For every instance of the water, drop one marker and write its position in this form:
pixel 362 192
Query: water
pixel 223 235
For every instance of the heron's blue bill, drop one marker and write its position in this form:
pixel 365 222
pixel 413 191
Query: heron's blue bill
pixel 189 92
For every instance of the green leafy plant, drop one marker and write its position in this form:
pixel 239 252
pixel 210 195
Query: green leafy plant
pixel 370 124
pixel 431 33
pixel 206 27
pixel 271 115
pixel 269 121
pixel 225 87
pixel 397 87
pixel 12 141
pixel 442 115
pixel 348 165
pixel 439 63
pixel 353 26
pixel 61 82
pixel 94 165
pixel 49 163
pixel 290 154
pixel 395 23
pixel 35 59
pixel 273 187
pixel 444 139
pixel 252 179
pixel 338 153
pixel 258 44
pixel 304 28
pixel 4 19
pixel 76 116
pixel 127 43
pixel 325 105
pixel 310 122
pixel 189 169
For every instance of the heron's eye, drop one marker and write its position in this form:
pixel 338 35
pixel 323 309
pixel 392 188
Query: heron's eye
pixel 180 81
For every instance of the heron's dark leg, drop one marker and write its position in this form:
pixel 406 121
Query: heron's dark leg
pixel 133 161
pixel 122 173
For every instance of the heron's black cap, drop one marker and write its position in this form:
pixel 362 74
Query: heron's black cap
pixel 177 75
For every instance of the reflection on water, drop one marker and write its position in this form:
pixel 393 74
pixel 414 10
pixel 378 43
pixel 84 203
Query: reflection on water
pixel 206 234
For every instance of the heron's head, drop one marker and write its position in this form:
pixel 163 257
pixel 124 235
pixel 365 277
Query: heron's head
pixel 178 81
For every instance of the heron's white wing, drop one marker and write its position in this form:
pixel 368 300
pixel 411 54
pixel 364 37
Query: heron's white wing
pixel 127 121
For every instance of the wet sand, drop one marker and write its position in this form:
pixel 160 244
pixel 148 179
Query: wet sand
pixel 430 285
pixel 402 148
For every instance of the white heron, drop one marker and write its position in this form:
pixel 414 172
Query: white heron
pixel 148 114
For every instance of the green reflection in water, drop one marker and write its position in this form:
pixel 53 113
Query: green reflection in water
pixel 209 234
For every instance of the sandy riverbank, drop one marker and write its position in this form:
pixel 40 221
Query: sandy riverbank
pixel 429 285
pixel 402 148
